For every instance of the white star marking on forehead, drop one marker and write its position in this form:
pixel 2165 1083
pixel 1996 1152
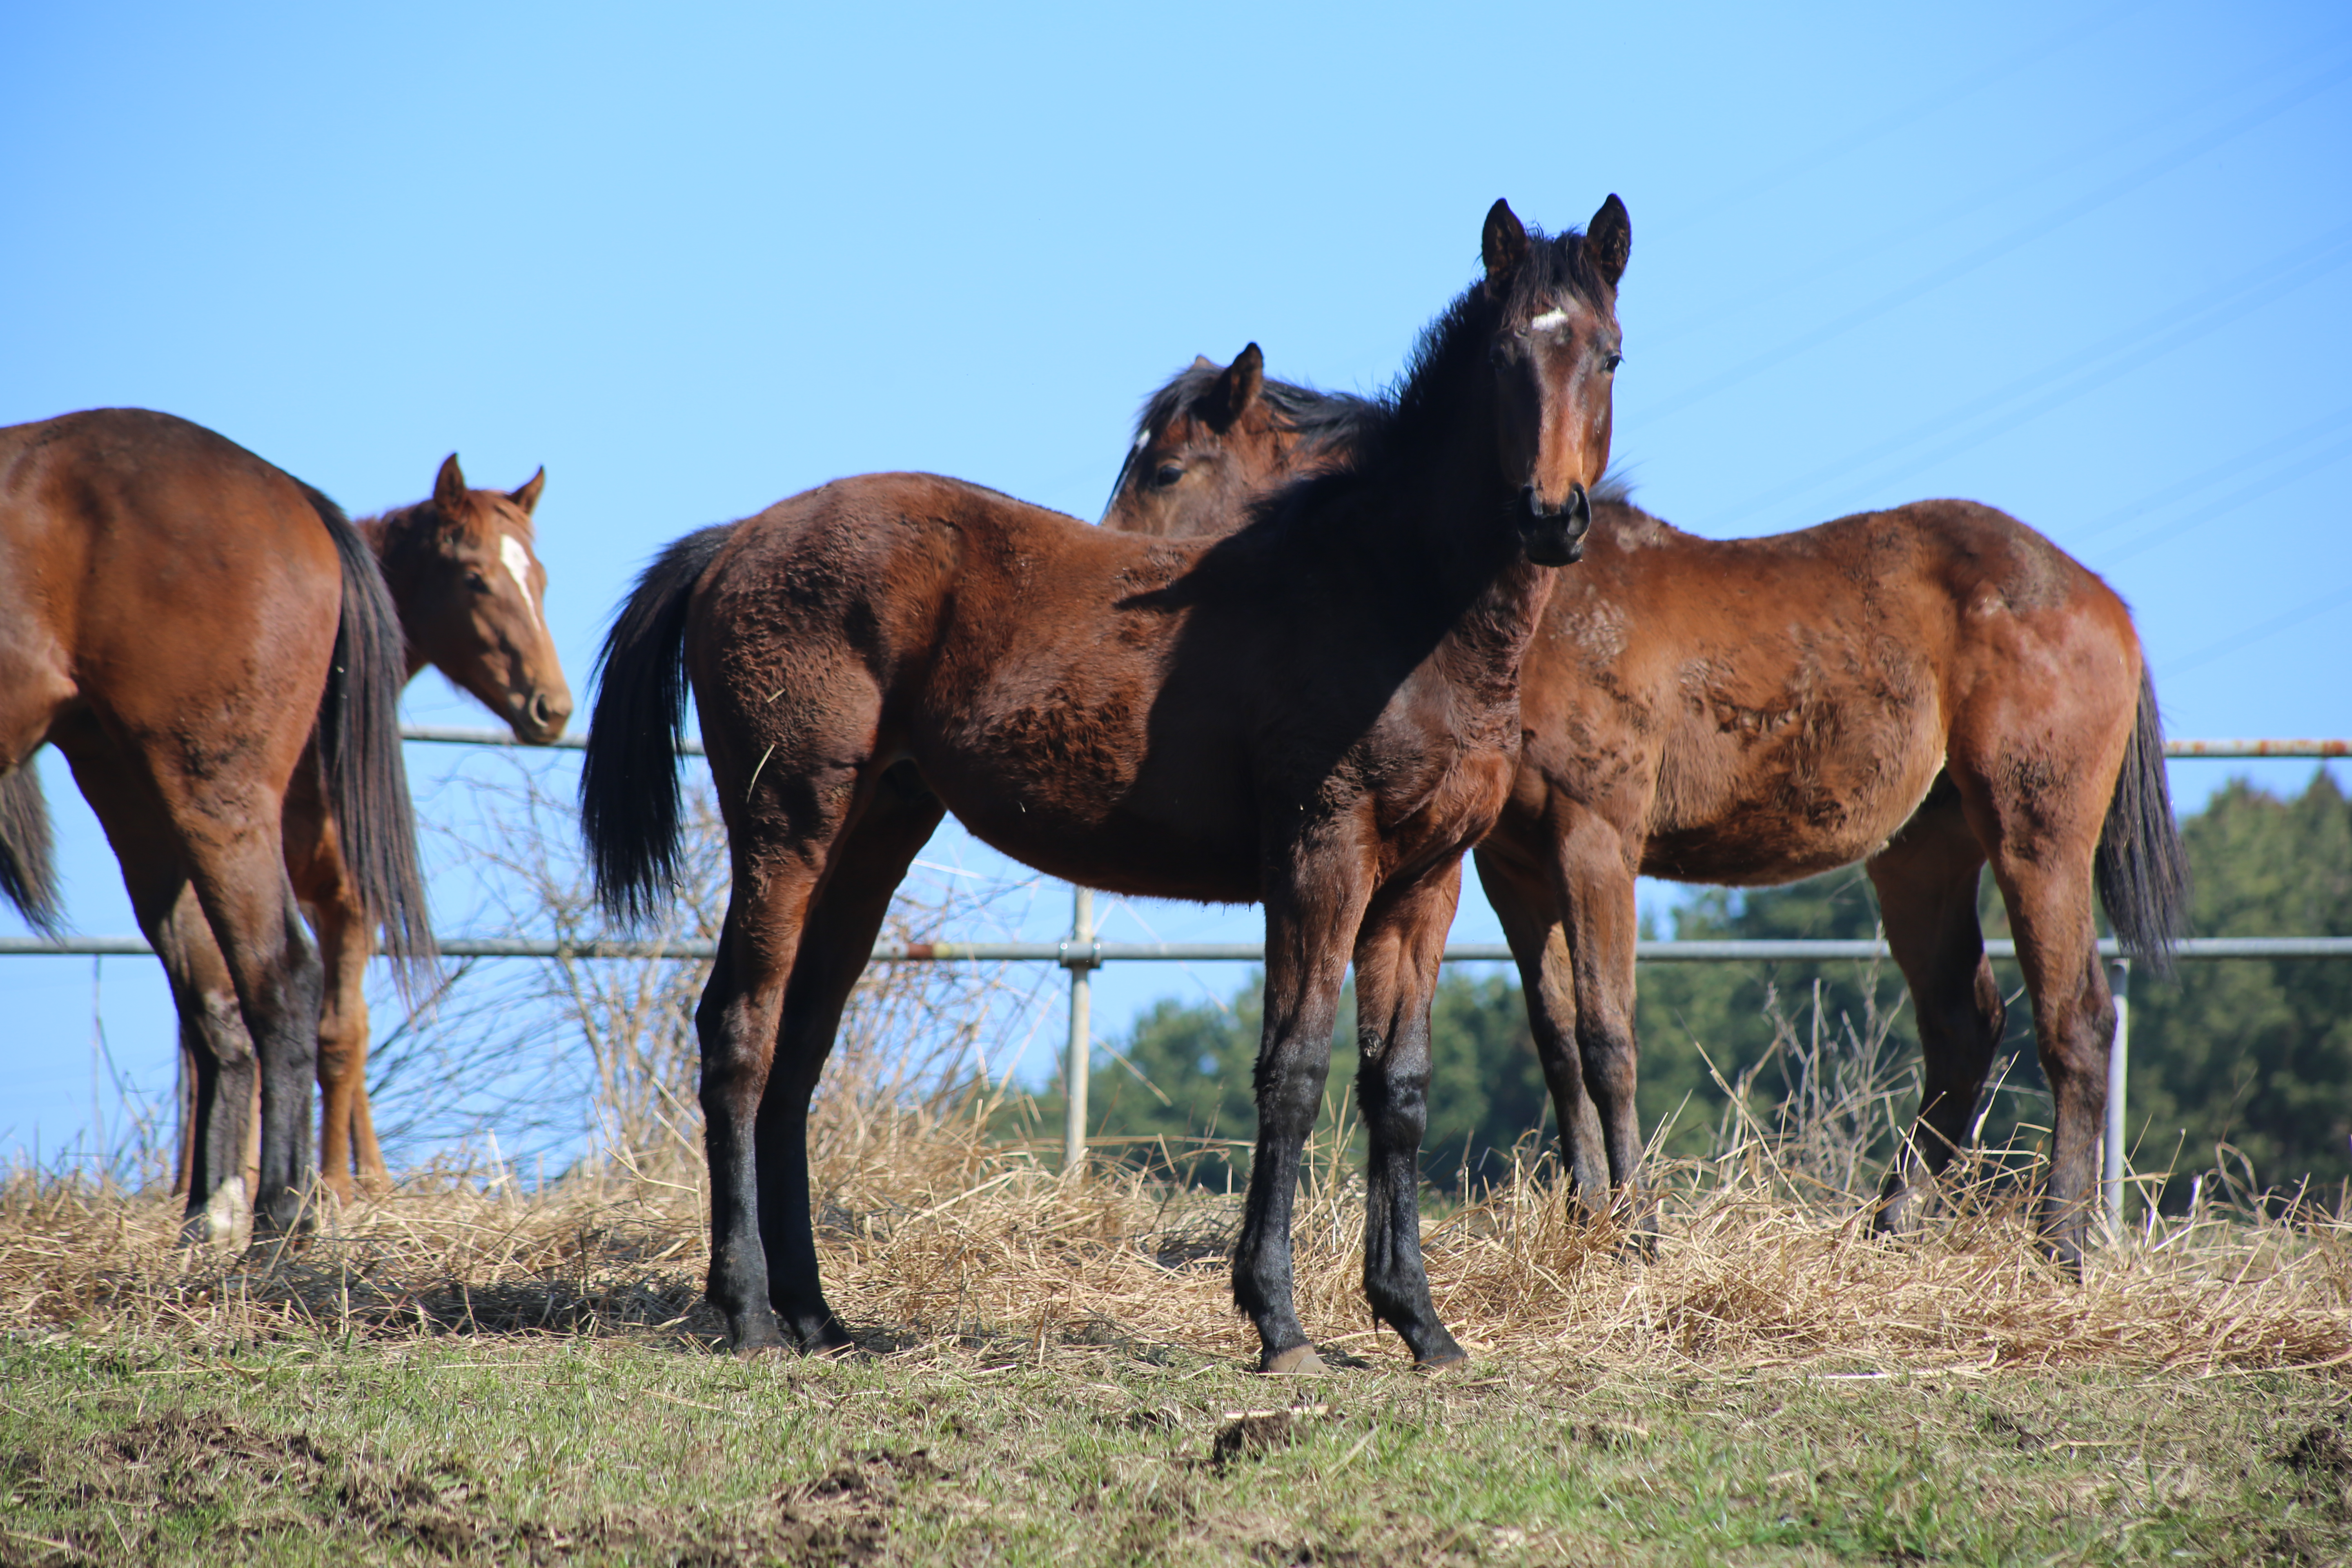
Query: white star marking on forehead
pixel 1550 322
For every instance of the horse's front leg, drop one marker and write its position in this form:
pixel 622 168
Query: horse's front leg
pixel 1397 956
pixel 1315 900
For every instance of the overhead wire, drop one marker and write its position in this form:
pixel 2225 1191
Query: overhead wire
pixel 2233 467
pixel 1918 109
pixel 2255 633
pixel 2169 115
pixel 2244 496
pixel 2172 327
pixel 2142 174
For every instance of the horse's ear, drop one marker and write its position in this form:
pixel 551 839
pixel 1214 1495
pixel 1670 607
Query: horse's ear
pixel 527 497
pixel 1231 396
pixel 449 485
pixel 1505 243
pixel 1203 361
pixel 1609 239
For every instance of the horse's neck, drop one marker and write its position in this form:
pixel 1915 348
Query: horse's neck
pixel 1451 518
pixel 384 534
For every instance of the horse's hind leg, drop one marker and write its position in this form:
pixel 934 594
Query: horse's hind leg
pixel 1593 874
pixel 2050 905
pixel 782 843
pixel 220 1057
pixel 2038 811
pixel 1397 955
pixel 1532 926
pixel 1927 880
pixel 861 874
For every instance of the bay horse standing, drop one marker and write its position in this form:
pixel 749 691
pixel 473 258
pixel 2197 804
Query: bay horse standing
pixel 1929 689
pixel 183 620
pixel 471 595
pixel 1319 713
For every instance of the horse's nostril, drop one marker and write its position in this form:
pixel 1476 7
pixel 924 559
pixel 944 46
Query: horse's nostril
pixel 538 712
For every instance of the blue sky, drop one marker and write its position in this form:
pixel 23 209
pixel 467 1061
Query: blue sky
pixel 2090 264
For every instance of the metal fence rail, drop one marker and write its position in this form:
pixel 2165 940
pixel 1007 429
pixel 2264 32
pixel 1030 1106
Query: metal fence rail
pixel 1083 954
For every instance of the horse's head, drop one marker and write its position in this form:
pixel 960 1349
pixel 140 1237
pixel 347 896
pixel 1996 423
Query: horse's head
pixel 1555 347
pixel 1208 441
pixel 473 601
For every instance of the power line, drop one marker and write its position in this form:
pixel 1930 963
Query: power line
pixel 2122 366
pixel 1837 147
pixel 2245 496
pixel 2153 169
pixel 2255 633
pixel 2166 118
pixel 2179 324
pixel 2231 469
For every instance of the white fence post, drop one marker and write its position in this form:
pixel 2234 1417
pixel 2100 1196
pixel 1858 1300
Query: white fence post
pixel 1079 957
pixel 2118 1075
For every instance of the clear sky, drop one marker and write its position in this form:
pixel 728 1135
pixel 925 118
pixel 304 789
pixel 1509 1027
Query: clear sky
pixel 2092 264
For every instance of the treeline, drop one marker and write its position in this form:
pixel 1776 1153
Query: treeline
pixel 2243 1066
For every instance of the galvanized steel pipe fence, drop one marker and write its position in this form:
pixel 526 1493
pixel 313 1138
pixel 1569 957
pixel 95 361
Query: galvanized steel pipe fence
pixel 1082 953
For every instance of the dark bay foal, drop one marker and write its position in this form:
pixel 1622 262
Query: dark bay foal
pixel 1927 689
pixel 1319 713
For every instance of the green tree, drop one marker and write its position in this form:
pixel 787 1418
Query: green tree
pixel 2255 1055
pixel 1184 1072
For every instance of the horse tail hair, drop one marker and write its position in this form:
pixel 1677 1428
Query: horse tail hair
pixel 628 783
pixel 28 874
pixel 2142 870
pixel 359 748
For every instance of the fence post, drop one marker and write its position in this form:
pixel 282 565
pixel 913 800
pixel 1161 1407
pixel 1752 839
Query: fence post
pixel 1079 957
pixel 2118 1075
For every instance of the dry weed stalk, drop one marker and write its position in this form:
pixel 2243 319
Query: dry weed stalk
pixel 937 1230
pixel 934 1233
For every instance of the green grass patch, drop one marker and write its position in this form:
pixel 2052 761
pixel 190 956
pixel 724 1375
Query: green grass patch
pixel 530 1449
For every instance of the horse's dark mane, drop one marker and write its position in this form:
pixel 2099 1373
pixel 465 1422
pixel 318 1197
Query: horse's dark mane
pixel 1323 421
pixel 1394 430
pixel 395 534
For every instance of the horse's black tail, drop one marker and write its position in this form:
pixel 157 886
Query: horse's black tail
pixel 2143 873
pixel 28 877
pixel 359 747
pixel 628 785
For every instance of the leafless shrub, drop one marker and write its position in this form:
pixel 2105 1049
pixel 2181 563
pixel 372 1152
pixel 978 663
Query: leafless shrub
pixel 594 1061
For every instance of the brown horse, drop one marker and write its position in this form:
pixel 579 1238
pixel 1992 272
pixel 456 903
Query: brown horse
pixel 471 594
pixel 184 620
pixel 1319 713
pixel 1926 690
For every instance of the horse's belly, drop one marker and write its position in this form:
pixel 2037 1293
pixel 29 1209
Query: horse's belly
pixel 1121 852
pixel 1778 815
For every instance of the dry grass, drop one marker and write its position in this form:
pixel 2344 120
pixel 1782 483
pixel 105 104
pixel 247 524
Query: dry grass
pixel 930 1231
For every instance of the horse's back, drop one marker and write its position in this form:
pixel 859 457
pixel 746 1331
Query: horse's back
pixel 1759 710
pixel 1038 672
pixel 151 568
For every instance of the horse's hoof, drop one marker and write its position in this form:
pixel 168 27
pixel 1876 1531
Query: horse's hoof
pixel 755 1335
pixel 1442 1355
pixel 1299 1361
pixel 831 1345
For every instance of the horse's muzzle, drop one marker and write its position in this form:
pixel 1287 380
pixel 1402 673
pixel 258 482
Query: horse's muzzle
pixel 1554 535
pixel 538 719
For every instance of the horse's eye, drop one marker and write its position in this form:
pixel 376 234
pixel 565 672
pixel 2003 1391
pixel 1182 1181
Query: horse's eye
pixel 1168 474
pixel 478 582
pixel 1613 361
